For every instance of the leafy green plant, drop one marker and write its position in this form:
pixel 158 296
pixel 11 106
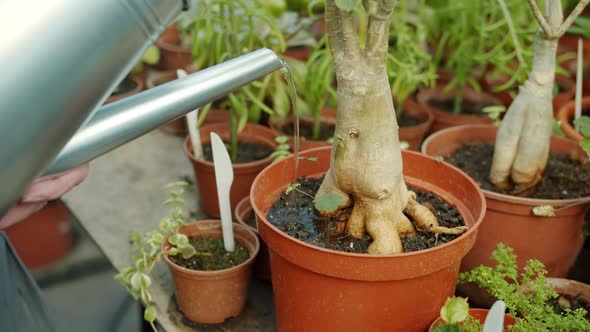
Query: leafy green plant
pixel 317 89
pixel 479 35
pixel 409 64
pixel 494 112
pixel 224 29
pixel 526 294
pixel 455 316
pixel 149 249
pixel 581 26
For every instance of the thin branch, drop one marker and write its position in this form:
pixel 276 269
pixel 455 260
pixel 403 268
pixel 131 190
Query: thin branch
pixel 512 33
pixel 350 38
pixel 378 29
pixel 549 33
pixel 333 30
pixel 570 19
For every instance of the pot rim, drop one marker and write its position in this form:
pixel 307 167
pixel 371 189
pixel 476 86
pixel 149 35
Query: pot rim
pixel 245 207
pixel 566 113
pixel 417 107
pixel 473 228
pixel 215 224
pixel 172 47
pixel 235 166
pixel 504 197
pixel 138 88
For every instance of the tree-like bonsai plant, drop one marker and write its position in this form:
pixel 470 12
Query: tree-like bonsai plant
pixel 522 145
pixel 366 133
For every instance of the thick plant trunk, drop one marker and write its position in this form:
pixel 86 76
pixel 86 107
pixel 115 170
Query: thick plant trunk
pixel 522 144
pixel 366 163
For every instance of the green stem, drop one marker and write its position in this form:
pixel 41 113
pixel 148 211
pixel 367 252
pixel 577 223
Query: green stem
pixel 317 121
pixel 458 101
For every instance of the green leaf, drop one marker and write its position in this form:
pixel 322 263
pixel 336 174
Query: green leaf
pixel 145 281
pixel 187 251
pixel 455 310
pixel 165 225
pixel 448 328
pixel 292 187
pixel 583 123
pixel 585 144
pixel 149 314
pixel 151 55
pixel 136 280
pixel 281 139
pixel 182 240
pixel 347 5
pixel 329 203
pixel 283 147
pixel 173 240
pixel 173 252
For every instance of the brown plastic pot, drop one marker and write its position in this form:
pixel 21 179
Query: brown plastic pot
pixel 444 119
pixel 327 117
pixel 570 287
pixel 317 289
pixel 243 213
pixel 555 241
pixel 566 116
pixel 414 135
pixel 172 56
pixel 178 127
pixel 213 296
pixel 480 315
pixel 138 88
pixel 44 237
pixel 244 174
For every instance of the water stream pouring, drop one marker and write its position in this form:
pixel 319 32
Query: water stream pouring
pixel 61 66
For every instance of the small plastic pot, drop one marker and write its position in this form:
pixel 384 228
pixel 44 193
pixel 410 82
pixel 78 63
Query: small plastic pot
pixel 243 213
pixel 213 296
pixel 480 315
pixel 137 89
pixel 172 56
pixel 566 117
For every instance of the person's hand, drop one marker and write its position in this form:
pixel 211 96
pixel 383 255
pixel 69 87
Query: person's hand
pixel 41 191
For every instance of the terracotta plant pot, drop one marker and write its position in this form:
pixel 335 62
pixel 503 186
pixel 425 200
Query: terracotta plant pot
pixel 213 296
pixel 243 213
pixel 300 53
pixel 444 119
pixel 480 315
pixel 44 237
pixel 137 89
pixel 414 135
pixel 570 287
pixel 509 219
pixel 178 127
pixel 566 116
pixel 317 289
pixel 244 174
pixel 172 56
pixel 327 117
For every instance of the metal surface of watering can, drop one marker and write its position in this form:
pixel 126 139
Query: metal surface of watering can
pixel 61 61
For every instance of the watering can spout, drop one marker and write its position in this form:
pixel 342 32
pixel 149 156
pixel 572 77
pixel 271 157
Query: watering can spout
pixel 122 121
pixel 63 66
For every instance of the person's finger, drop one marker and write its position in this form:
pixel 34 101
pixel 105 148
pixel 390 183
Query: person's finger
pixel 19 212
pixel 53 188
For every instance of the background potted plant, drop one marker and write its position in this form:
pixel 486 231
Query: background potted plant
pixel 511 171
pixel 211 284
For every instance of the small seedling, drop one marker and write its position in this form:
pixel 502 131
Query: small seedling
pixel 149 249
pixel 282 150
pixel 494 112
pixel 583 126
pixel 455 316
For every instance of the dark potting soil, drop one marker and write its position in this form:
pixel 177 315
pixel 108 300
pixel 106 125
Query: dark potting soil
pixel 247 152
pixel 298 219
pixel 564 177
pixel 405 120
pixel 125 86
pixel 251 220
pixel 306 130
pixel 211 255
pixel 564 301
pixel 468 106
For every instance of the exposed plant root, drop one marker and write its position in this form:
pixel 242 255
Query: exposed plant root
pixel 426 220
